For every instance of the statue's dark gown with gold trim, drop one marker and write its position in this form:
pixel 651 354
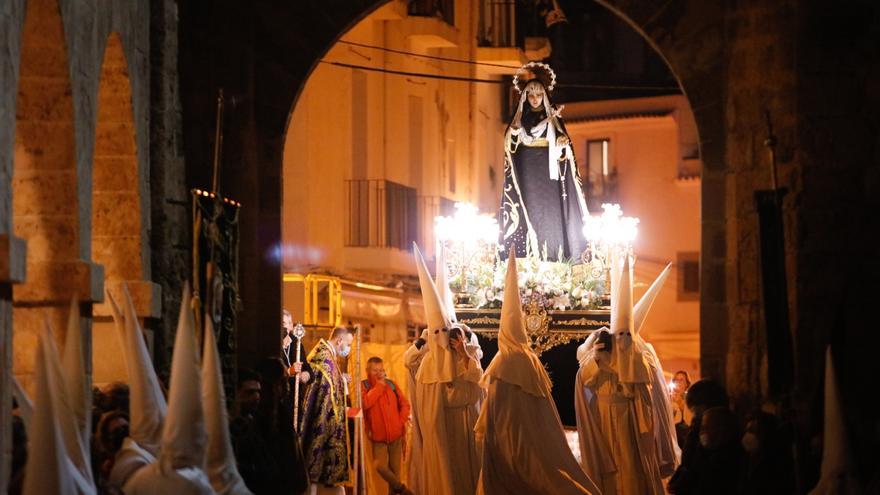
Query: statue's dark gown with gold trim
pixel 540 214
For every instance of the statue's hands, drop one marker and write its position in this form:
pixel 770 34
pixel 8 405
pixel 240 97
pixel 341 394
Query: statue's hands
pixel 563 141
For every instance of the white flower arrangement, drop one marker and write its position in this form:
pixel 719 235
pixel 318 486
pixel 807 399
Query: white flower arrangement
pixel 557 284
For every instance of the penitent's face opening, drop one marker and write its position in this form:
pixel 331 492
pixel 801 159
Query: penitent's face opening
pixel 441 337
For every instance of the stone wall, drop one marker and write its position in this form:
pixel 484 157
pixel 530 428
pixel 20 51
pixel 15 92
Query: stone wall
pixel 74 174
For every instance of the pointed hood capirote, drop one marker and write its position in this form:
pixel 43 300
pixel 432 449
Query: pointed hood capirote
pixel 438 365
pixel 76 449
pixel 640 312
pixel 73 364
pixel 625 358
pixel 25 404
pixel 219 459
pixel 516 363
pixel 838 468
pixel 183 434
pixel 443 286
pixel 48 469
pixel 148 405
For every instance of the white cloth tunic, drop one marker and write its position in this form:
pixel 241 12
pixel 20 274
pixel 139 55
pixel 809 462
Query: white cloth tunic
pixel 524 446
pixel 626 422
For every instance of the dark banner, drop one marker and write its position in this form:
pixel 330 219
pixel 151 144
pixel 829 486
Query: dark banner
pixel 215 273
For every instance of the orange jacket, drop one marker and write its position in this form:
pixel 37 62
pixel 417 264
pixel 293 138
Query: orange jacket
pixel 386 410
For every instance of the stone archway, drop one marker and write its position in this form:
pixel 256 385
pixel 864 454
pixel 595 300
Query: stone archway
pixel 278 47
pixel 119 233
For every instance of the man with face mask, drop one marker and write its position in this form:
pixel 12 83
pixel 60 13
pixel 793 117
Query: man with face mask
pixel 324 426
pixel 615 385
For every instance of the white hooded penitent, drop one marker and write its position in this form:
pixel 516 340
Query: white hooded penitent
pixel 516 363
pixel 48 469
pixel 219 459
pixel 438 365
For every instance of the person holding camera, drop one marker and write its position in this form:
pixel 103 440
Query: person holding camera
pixel 447 388
pixel 614 394
pixel 386 412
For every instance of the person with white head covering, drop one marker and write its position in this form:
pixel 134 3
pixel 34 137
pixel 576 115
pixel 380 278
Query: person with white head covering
pixel 616 386
pixel 219 459
pixel 596 457
pixel 542 204
pixel 472 343
pixel 447 387
pixel 179 468
pixel 148 407
pixel 524 445
pixel 412 359
pixel 77 451
pixel 48 468
pixel 459 330
pixel 668 451
pixel 838 474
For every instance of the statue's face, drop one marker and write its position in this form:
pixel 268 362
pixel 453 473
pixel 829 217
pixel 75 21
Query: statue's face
pixel 536 98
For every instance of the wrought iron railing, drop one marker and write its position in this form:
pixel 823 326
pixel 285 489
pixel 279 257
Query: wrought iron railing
pixel 381 213
pixel 497 26
pixel 443 9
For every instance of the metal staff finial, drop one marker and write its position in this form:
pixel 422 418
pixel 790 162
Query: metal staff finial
pixel 298 331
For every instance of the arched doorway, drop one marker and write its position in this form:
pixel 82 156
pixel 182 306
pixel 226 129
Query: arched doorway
pixel 283 47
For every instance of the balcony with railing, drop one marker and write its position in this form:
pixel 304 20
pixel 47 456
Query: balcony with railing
pixel 381 214
pixel 441 9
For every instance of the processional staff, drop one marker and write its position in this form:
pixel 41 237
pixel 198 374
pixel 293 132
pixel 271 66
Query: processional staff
pixel 298 331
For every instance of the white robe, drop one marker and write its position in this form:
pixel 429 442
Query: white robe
pixel 625 418
pixel 130 458
pixel 412 358
pixel 449 464
pixel 152 481
pixel 668 451
pixel 596 458
pixel 524 446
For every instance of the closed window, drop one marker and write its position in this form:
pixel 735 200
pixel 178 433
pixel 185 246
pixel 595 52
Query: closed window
pixel 600 181
pixel 688 276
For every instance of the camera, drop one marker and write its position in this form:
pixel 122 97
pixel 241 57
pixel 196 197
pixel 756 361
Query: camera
pixel 460 333
pixel 606 338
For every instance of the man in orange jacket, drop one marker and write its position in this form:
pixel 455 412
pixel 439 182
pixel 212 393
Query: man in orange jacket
pixel 386 411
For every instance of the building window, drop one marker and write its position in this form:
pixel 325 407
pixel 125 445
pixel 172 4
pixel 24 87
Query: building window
pixel 415 141
pixel 381 213
pixel 688 276
pixel 412 332
pixel 358 125
pixel 401 216
pixel 601 174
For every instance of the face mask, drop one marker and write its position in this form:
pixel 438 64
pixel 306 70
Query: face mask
pixel 345 351
pixel 750 442
pixel 704 440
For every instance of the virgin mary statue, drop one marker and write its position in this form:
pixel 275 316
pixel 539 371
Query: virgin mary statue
pixel 542 203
